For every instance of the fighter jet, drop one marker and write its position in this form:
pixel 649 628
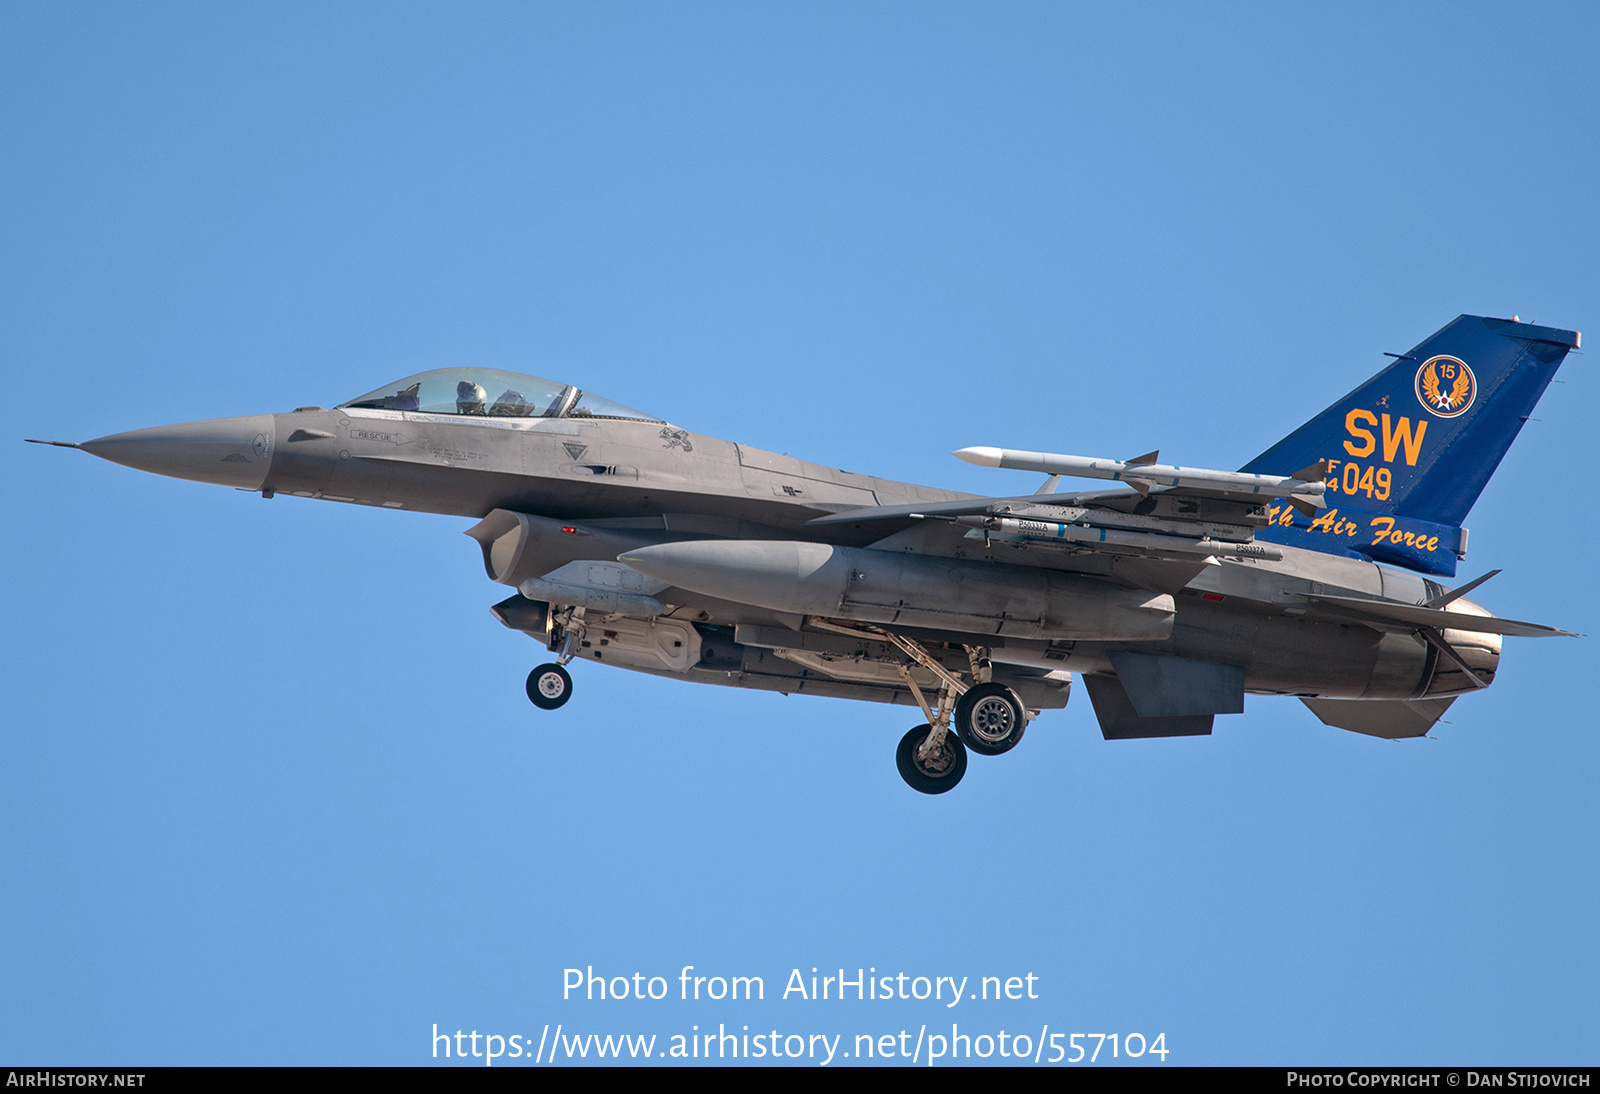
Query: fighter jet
pixel 1313 572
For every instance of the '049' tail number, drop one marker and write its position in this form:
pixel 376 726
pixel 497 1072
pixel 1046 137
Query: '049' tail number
pixel 1350 477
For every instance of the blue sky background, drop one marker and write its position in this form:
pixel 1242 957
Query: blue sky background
pixel 272 791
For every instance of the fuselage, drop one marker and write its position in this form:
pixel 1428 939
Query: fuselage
pixel 634 543
pixel 634 483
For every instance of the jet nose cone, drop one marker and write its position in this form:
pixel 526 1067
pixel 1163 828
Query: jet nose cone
pixel 225 451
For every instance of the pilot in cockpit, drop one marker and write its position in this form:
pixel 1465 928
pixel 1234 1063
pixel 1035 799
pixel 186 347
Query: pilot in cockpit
pixel 471 398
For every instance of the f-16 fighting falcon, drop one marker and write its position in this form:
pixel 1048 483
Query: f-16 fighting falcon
pixel 1312 572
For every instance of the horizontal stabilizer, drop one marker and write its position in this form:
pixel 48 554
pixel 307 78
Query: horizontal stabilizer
pixel 1391 718
pixel 1411 616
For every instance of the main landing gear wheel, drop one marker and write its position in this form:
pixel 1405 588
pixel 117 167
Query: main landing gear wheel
pixel 549 686
pixel 936 773
pixel 990 719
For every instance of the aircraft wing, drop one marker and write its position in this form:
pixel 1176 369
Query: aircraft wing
pixel 1168 513
pixel 964 506
pixel 1172 524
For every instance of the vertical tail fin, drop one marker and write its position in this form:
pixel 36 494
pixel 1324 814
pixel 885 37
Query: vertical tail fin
pixel 1410 450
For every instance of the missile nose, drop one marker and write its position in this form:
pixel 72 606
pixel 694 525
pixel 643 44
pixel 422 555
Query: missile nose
pixel 225 451
pixel 981 455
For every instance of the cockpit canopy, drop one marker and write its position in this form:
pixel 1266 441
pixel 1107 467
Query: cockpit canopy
pixel 488 392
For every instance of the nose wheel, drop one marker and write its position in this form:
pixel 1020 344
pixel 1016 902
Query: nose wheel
pixel 549 686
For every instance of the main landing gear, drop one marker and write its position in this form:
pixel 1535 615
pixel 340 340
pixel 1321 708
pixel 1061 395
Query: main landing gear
pixel 969 711
pixel 981 716
pixel 990 719
pixel 929 765
pixel 550 686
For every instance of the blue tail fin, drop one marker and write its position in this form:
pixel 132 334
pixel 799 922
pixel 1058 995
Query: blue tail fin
pixel 1410 450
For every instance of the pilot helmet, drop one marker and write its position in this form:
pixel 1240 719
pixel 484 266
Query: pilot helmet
pixel 470 398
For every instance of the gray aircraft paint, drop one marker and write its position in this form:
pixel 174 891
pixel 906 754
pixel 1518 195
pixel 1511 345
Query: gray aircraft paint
pixel 699 552
pixel 669 493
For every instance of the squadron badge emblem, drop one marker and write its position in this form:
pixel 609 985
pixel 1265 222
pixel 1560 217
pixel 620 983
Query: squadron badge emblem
pixel 1446 386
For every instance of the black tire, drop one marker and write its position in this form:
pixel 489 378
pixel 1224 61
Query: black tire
pixel 989 719
pixel 936 777
pixel 549 686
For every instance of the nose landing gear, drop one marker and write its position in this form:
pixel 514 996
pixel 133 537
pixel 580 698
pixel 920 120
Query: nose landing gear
pixel 549 686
